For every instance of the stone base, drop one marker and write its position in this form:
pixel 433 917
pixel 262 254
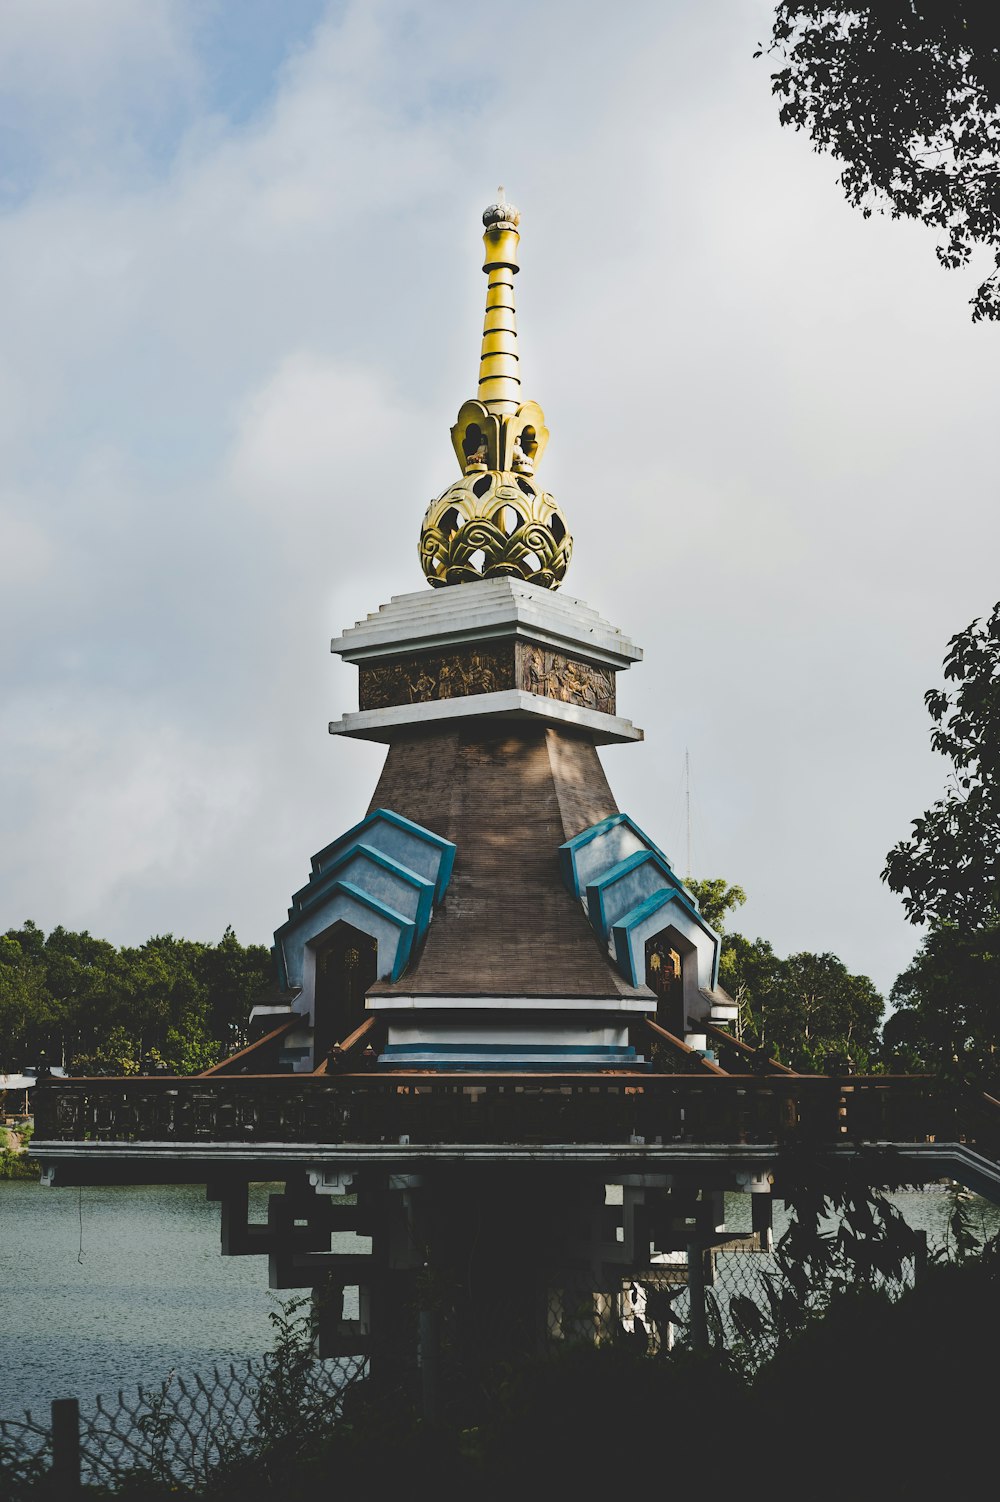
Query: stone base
pixel 553 1048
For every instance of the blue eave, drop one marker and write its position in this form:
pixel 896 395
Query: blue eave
pixel 568 850
pixel 406 926
pixel 596 889
pixel 315 890
pixel 647 909
pixel 446 847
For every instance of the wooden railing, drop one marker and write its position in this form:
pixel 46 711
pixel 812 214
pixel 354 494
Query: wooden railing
pixel 371 1108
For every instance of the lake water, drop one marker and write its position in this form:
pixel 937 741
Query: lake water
pixel 152 1293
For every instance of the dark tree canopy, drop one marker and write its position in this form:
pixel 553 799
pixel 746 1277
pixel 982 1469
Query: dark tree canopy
pixel 168 1003
pixel 808 1010
pixel 906 94
pixel 947 999
pixel 949 871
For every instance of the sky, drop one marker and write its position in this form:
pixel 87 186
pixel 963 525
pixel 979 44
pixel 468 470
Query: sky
pixel 242 300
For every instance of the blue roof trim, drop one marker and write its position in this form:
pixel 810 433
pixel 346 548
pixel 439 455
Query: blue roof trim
pixel 305 900
pixel 516 1058
pixel 326 880
pixel 622 929
pixel 619 1051
pixel 446 848
pixel 568 850
pixel 596 889
pixel 522 1066
pixel 406 927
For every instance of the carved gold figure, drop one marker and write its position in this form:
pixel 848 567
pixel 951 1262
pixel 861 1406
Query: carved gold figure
pixel 496 521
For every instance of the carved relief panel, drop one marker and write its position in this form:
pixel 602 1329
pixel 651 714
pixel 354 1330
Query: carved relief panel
pixel 554 676
pixel 487 669
pixel 419 680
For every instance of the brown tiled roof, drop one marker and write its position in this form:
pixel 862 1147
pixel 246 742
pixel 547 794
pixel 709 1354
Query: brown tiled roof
pixel 508 796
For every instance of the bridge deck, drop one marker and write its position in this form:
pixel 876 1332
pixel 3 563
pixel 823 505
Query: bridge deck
pixel 909 1128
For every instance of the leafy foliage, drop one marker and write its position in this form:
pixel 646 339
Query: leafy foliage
pixel 948 875
pixel 949 872
pixel 169 1003
pixel 807 1011
pixel 906 94
pixel 716 899
pixel 849 1385
pixel 946 1019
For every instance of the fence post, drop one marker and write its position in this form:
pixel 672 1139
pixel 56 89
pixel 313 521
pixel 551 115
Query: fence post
pixel 430 1364
pixel 696 1296
pixel 65 1474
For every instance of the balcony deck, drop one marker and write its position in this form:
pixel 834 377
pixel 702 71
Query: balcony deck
pixel 188 1129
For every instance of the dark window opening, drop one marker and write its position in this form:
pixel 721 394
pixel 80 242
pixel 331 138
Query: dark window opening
pixel 663 977
pixel 346 966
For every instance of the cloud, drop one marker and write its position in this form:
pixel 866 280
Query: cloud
pixel 27 549
pixel 234 341
pixel 92 87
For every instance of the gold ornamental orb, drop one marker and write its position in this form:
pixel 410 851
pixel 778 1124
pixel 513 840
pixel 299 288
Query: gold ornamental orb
pixel 495 524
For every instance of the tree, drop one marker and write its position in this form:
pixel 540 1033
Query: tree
pixel 749 971
pixel 906 93
pixel 808 1010
pixel 948 875
pixel 28 1011
pixel 946 1020
pixel 716 898
pixel 949 872
pixel 834 1016
pixel 237 976
pixel 167 1002
pixel 80 972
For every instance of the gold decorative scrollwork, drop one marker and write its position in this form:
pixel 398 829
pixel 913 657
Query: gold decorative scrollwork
pixel 494 524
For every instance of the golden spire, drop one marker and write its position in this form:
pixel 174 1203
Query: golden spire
pixel 495 522
pixel 499 382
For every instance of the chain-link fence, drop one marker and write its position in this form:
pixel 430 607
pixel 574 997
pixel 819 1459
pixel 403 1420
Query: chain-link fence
pixel 179 1432
pixel 740 1300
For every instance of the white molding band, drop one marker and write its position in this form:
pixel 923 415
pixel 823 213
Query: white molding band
pixel 509 704
pixel 539 1005
pixel 489 610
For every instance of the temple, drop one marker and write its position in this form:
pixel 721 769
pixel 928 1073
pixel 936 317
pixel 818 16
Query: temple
pixel 497 1053
pixel 500 911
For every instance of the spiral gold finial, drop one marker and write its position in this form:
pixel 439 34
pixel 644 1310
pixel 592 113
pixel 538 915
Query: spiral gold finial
pixel 496 522
pixel 499 382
